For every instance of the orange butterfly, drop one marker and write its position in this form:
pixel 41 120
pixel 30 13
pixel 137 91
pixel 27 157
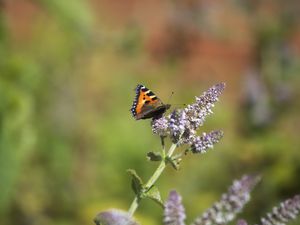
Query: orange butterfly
pixel 147 105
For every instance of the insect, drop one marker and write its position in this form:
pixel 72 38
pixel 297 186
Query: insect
pixel 147 105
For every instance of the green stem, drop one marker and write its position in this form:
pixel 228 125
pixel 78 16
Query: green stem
pixel 152 180
pixel 163 146
pixel 133 206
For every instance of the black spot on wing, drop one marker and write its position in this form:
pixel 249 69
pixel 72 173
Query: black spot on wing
pixel 150 93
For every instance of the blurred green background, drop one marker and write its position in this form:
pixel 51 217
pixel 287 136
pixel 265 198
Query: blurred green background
pixel 68 70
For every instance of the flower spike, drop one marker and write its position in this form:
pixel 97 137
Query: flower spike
pixel 286 211
pixel 182 124
pixel 230 204
pixel 174 213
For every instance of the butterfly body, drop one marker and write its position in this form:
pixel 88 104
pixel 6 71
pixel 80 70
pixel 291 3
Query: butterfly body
pixel 147 105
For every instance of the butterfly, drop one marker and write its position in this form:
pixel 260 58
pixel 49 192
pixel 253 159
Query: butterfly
pixel 147 105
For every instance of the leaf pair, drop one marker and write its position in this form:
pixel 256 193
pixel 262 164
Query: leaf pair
pixel 156 157
pixel 142 191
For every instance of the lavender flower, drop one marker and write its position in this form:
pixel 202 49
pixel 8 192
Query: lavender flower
pixel 200 144
pixel 198 111
pixel 178 124
pixel 286 211
pixel 174 213
pixel 114 217
pixel 241 222
pixel 230 204
pixel 181 125
pixel 160 126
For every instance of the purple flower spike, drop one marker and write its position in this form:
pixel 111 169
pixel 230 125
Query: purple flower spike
pixel 285 212
pixel 174 213
pixel 202 143
pixel 182 124
pixel 203 107
pixel 160 126
pixel 178 124
pixel 230 204
pixel 241 222
pixel 114 217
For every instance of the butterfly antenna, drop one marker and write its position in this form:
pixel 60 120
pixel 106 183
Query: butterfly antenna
pixel 171 95
pixel 182 104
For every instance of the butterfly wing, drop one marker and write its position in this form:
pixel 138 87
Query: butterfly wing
pixel 146 104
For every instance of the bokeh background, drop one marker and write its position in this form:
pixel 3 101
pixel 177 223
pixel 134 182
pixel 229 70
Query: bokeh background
pixel 68 70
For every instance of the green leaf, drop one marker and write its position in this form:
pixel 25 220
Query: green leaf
pixel 154 156
pixel 174 162
pixel 136 183
pixel 153 194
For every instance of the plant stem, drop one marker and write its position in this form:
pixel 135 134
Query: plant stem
pixel 133 206
pixel 163 146
pixel 152 180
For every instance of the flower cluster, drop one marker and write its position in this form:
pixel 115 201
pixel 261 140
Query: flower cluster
pixel 286 211
pixel 178 124
pixel 203 107
pixel 230 204
pixel 241 222
pixel 205 141
pixel 160 126
pixel 181 124
pixel 174 213
pixel 114 217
